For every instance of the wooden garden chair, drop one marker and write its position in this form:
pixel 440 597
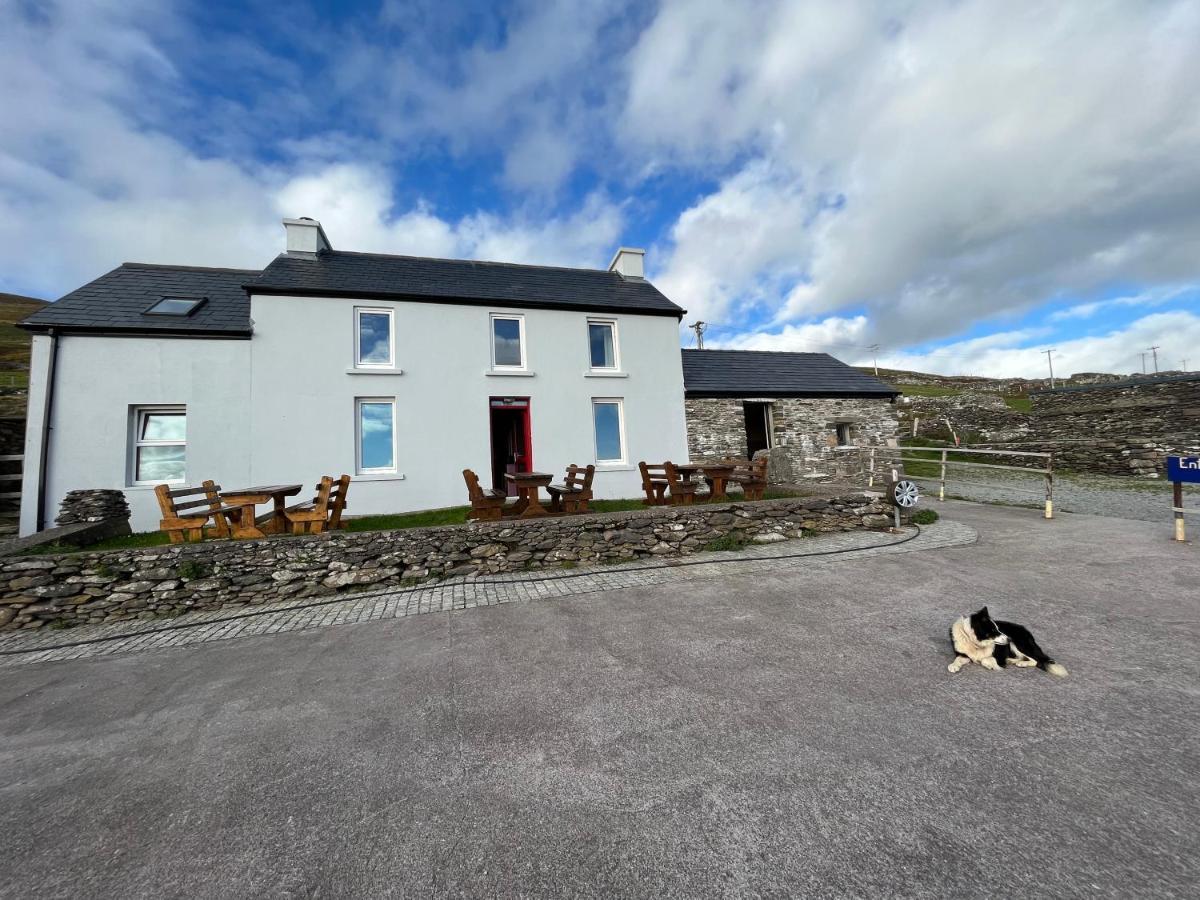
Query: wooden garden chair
pixel 664 485
pixel 189 520
pixel 485 503
pixel 324 511
pixel 573 494
pixel 752 476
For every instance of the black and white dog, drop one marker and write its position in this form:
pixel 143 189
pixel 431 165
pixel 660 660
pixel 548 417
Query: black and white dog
pixel 993 645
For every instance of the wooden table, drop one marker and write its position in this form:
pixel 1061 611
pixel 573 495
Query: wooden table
pixel 718 473
pixel 276 493
pixel 527 483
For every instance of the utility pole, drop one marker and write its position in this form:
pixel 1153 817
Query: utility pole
pixel 1154 350
pixel 874 348
pixel 1185 368
pixel 699 327
pixel 1050 361
pixel 1143 355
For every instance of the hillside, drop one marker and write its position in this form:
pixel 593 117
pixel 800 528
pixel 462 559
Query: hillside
pixel 14 352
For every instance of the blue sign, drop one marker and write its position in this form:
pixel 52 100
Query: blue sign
pixel 1183 468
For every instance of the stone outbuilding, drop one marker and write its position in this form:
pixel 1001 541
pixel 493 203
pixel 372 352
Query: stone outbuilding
pixel 739 402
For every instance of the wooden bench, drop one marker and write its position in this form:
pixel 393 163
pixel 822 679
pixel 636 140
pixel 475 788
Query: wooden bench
pixel 663 485
pixel 324 511
pixel 485 504
pixel 573 494
pixel 190 519
pixel 751 474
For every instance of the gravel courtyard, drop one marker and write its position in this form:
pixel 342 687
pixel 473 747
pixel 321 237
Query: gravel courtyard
pixel 793 733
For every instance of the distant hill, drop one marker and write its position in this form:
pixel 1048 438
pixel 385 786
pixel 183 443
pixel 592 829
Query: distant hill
pixel 14 352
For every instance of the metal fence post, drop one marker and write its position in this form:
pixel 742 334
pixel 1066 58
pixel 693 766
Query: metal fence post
pixel 942 486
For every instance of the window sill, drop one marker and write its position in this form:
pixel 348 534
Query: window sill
pixel 368 371
pixel 614 467
pixel 151 487
pixel 380 476
pixel 500 373
pixel 593 373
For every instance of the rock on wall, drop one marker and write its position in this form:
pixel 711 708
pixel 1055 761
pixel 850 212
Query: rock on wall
pixel 161 581
pixel 805 428
pixel 1121 429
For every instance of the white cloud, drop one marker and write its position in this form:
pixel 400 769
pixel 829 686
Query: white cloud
pixel 1013 354
pixel 842 337
pixel 1156 297
pixel 941 163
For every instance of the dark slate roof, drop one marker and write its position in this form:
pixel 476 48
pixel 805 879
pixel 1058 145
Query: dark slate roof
pixel 335 273
pixel 758 373
pixel 117 302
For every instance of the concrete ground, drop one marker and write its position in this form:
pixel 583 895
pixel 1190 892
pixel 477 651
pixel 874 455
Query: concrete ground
pixel 791 734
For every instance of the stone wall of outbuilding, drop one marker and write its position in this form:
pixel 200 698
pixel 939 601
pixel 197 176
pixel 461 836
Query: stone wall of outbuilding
pixel 152 582
pixel 804 428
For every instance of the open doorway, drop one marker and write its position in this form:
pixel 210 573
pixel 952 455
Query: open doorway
pixel 512 442
pixel 758 427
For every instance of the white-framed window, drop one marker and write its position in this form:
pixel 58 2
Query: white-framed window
pixel 508 341
pixel 159 445
pixel 603 352
pixel 374 338
pixel 608 426
pixel 375 427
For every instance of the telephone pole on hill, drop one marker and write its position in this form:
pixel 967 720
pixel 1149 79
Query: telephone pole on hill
pixel 699 327
pixel 1050 362
pixel 1143 356
pixel 1154 350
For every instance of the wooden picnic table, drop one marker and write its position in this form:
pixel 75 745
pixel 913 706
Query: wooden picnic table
pixel 718 473
pixel 528 506
pixel 274 493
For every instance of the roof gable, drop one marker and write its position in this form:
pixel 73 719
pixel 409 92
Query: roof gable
pixel 760 373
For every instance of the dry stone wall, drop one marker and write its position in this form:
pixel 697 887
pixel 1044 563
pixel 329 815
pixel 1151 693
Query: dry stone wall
pixel 151 582
pixel 1120 429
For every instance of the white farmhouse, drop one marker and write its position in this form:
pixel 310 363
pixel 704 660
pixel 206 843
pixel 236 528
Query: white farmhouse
pixel 397 370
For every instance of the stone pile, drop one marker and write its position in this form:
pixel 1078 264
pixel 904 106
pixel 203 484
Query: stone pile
pixel 92 505
pixel 162 581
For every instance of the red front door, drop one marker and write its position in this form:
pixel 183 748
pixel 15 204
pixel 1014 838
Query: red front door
pixel 512 440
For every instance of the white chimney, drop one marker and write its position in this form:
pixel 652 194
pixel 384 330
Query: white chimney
pixel 629 262
pixel 305 235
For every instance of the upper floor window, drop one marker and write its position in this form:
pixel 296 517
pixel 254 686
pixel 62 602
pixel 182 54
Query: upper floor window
pixel 159 444
pixel 373 338
pixel 508 342
pixel 602 344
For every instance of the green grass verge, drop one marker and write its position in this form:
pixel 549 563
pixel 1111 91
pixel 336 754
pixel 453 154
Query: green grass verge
pixel 1019 403
pixel 925 516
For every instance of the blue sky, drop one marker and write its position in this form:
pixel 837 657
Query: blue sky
pixel 962 183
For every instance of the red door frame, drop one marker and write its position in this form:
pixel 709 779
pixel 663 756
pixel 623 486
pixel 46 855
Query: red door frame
pixel 502 403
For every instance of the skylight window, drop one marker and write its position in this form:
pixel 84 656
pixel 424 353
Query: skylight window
pixel 176 306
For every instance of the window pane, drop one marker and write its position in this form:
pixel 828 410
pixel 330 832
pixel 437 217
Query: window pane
pixel 376 428
pixel 374 338
pixel 164 426
pixel 174 306
pixel 600 336
pixel 506 338
pixel 160 463
pixel 608 431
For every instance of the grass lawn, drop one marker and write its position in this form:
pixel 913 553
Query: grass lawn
pixel 1019 403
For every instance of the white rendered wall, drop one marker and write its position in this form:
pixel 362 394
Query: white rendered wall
pixel 279 408
pixel 303 397
pixel 100 378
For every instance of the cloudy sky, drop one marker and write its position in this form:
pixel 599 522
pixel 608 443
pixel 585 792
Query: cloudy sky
pixel 962 183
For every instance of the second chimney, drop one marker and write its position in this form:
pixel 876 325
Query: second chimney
pixel 629 262
pixel 305 235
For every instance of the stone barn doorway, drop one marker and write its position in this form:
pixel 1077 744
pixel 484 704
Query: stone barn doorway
pixel 758 426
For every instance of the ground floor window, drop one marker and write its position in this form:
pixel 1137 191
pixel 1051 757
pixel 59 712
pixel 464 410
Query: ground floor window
pixel 376 428
pixel 159 445
pixel 608 420
pixel 845 436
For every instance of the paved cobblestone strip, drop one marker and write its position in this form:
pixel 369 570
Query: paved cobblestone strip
pixel 459 594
